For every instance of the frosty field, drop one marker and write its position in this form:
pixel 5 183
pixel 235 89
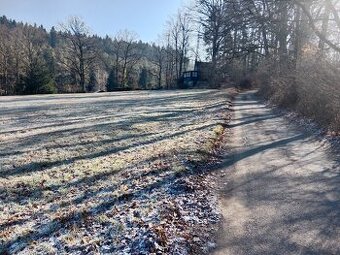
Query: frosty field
pixel 106 172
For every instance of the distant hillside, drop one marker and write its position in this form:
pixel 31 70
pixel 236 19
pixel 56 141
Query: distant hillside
pixel 34 60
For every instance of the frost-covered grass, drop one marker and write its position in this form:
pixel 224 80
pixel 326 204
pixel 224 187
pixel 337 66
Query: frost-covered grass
pixel 95 172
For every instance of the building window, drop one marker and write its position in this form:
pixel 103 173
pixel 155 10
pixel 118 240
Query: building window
pixel 187 75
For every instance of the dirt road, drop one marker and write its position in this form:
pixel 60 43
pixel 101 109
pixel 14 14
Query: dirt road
pixel 281 190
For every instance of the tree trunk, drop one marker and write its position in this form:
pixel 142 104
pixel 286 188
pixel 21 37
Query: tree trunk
pixel 283 31
pixel 324 27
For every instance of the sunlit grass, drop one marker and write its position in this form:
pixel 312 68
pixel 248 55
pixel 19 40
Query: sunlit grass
pixel 57 171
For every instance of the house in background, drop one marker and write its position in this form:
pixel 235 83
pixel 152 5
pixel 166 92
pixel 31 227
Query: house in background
pixel 197 78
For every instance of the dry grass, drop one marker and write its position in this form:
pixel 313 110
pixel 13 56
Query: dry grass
pixel 312 89
pixel 77 171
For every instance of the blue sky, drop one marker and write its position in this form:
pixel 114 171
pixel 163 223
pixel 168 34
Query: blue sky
pixel 145 17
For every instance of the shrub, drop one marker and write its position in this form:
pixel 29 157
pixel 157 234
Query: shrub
pixel 310 88
pixel 48 88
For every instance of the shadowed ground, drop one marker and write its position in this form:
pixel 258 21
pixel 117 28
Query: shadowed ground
pixel 93 173
pixel 281 190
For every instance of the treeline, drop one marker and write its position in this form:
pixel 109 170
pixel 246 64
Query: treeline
pixel 70 59
pixel 290 48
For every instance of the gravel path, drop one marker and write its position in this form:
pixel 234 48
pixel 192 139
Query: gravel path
pixel 280 191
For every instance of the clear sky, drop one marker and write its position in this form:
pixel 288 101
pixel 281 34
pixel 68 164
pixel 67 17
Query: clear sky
pixel 145 17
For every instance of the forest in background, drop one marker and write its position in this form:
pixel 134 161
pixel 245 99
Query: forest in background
pixel 70 60
pixel 288 48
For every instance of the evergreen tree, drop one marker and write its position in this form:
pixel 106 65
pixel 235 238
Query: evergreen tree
pixel 92 82
pixel 53 38
pixel 143 78
pixel 111 84
pixel 38 81
pixel 50 61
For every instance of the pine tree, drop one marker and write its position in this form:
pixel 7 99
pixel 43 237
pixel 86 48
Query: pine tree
pixel 111 84
pixel 143 78
pixel 53 38
pixel 92 82
pixel 38 81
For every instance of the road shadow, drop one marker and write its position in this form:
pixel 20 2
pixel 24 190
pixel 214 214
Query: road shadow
pixel 285 188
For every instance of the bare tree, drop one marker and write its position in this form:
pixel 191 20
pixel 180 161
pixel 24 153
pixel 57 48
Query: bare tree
pixel 79 53
pixel 5 59
pixel 159 59
pixel 178 39
pixel 211 16
pixel 170 62
pixel 126 54
pixel 322 34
